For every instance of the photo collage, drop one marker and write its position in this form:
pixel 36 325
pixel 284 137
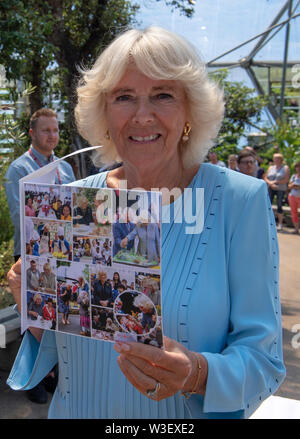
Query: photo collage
pixel 92 262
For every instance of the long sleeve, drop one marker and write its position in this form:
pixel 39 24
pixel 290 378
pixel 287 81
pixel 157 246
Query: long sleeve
pixel 33 361
pixel 250 368
pixel 11 185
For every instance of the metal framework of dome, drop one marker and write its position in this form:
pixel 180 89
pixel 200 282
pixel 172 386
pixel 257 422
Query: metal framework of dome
pixel 249 64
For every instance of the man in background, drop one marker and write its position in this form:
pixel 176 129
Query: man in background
pixel 213 159
pixel 44 133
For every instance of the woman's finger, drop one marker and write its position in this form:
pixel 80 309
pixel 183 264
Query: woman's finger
pixel 140 381
pixel 137 378
pixel 169 378
pixel 169 360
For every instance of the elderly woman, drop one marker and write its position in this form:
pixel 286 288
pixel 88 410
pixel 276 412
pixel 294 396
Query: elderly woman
pixel 149 101
pixel 83 212
pixel 277 179
pixel 48 279
pixel 35 307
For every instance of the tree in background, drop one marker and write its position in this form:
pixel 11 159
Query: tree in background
pixel 44 43
pixel 242 110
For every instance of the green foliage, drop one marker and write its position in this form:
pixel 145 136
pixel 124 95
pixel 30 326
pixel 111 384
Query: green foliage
pixel 6 259
pixel 242 109
pixel 287 142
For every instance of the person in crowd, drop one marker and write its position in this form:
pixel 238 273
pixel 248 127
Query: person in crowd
pixel 63 244
pixel 259 172
pixel 44 133
pixel 35 242
pixel 110 325
pixel 101 205
pixel 35 204
pixel 49 312
pixel 277 178
pixel 44 239
pixel 33 277
pixel 246 162
pixel 66 213
pixel 148 238
pixel 151 289
pixel 35 307
pixel 120 231
pixel 294 197
pixel 106 254
pixel 48 279
pixel 213 159
pixel 158 114
pixel 116 279
pixel 232 162
pixel 147 309
pixel 82 285
pixel 29 210
pixel 64 303
pixel 102 295
pixel 83 212
pixel 58 208
pixel 84 303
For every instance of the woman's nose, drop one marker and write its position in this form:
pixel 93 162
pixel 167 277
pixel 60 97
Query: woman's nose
pixel 144 112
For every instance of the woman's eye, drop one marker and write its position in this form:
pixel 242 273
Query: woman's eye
pixel 164 96
pixel 123 98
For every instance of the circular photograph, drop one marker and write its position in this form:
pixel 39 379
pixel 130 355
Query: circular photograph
pixel 135 313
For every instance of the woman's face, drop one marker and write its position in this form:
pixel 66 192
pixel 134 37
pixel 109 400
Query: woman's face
pixel 38 301
pixel 146 118
pixel 102 277
pixel 277 160
pixel 66 211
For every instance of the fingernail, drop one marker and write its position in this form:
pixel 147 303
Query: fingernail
pixel 122 347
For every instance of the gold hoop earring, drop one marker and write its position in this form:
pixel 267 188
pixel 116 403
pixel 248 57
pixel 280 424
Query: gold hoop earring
pixel 186 132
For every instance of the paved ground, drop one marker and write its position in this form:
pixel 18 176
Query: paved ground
pixel 290 300
pixel 15 405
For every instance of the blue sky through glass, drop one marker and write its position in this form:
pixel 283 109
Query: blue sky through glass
pixel 219 25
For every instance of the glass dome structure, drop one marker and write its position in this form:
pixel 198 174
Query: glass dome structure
pixel 258 41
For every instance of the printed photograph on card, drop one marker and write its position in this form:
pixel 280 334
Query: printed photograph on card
pixel 73 297
pixel 108 282
pixel 136 230
pixel 93 250
pixel 47 238
pixel 41 274
pixel 137 316
pixel 91 259
pixel 92 212
pixel 48 201
pixel 41 310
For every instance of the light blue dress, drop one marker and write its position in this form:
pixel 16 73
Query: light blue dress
pixel 220 298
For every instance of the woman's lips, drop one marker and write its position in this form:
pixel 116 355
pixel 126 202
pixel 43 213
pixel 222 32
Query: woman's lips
pixel 145 139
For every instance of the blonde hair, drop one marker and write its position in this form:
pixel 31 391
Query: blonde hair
pixel 277 155
pixel 158 54
pixel 143 301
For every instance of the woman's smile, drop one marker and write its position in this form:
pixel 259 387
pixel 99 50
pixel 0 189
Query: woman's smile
pixel 145 139
pixel 146 118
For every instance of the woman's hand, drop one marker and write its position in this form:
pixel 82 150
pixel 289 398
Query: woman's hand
pixel 175 368
pixel 14 282
pixel 124 242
